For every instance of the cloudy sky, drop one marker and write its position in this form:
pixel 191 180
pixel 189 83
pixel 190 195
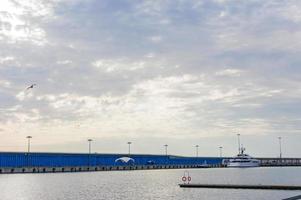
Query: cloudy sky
pixel 154 72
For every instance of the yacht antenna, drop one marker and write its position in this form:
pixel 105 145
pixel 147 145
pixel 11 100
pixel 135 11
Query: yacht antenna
pixel 238 136
pixel 242 149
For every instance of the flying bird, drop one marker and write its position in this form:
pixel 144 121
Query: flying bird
pixel 31 87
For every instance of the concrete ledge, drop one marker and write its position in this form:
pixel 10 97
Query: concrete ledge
pixel 293 198
pixel 257 187
pixel 12 170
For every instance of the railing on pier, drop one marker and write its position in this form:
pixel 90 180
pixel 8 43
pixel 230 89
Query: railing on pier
pixel 280 162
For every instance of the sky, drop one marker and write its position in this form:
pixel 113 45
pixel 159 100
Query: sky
pixel 153 72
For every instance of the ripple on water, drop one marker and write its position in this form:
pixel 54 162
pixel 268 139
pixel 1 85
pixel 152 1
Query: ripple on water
pixel 148 184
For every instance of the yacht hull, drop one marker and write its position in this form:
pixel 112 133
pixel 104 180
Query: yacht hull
pixel 242 165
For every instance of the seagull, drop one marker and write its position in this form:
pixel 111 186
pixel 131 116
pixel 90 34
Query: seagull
pixel 31 87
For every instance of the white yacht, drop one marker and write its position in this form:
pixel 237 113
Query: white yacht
pixel 243 160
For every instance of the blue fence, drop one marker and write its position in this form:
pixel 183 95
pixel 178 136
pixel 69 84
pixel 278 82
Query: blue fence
pixel 12 159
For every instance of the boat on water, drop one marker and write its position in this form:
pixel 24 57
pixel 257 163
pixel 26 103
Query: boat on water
pixel 243 160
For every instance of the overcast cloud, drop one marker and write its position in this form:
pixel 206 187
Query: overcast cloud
pixel 153 72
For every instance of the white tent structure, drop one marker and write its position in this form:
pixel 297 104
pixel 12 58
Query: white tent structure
pixel 125 159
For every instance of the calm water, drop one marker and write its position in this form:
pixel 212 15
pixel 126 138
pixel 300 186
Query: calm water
pixel 153 184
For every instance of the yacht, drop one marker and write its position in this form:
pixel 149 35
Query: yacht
pixel 243 160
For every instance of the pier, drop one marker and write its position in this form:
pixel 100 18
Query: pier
pixel 278 162
pixel 254 187
pixel 34 162
pixel 294 198
pixel 13 170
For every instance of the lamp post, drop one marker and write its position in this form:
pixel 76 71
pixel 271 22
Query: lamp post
pixel 28 149
pixel 280 150
pixel 89 141
pixel 165 145
pixel 129 143
pixel 28 143
pixel 238 137
pixel 166 161
pixel 197 150
pixel 220 151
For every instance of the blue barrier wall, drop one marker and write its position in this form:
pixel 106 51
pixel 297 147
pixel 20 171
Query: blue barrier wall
pixel 13 159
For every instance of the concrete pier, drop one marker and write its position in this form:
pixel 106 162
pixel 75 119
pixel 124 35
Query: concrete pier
pixel 12 170
pixel 294 198
pixel 256 187
pixel 280 162
pixel 39 162
pixel 44 162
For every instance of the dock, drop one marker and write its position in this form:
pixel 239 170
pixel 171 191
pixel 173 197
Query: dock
pixel 50 162
pixel 47 162
pixel 254 187
pixel 294 198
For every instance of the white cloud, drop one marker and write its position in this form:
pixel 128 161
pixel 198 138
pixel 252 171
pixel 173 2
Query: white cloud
pixel 16 25
pixel 47 97
pixel 229 72
pixel 6 59
pixel 23 95
pixel 150 7
pixel 164 21
pixel 64 62
pixel 150 55
pixel 223 14
pixel 5 83
pixel 156 39
pixel 291 12
pixel 219 95
pixel 121 64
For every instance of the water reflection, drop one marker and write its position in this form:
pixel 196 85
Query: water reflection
pixel 151 184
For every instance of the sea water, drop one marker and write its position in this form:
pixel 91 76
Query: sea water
pixel 148 184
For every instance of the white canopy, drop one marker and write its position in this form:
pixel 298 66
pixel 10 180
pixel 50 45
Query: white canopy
pixel 125 159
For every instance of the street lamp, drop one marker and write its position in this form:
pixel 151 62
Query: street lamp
pixel 28 149
pixel 220 152
pixel 197 150
pixel 165 145
pixel 28 143
pixel 90 141
pixel 238 136
pixel 89 158
pixel 129 143
pixel 280 150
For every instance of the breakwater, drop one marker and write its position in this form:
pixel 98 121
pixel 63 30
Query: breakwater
pixel 254 187
pixel 9 170
pixel 36 162
pixel 279 162
pixel 21 162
